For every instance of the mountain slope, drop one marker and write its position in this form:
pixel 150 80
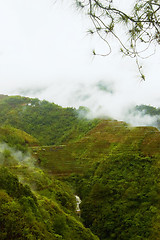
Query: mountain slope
pixel 28 215
pixel 48 122
pixel 17 138
pixel 96 145
pixel 113 167
pixel 115 171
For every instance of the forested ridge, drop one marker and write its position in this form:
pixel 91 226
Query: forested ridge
pixel 48 122
pixel 113 167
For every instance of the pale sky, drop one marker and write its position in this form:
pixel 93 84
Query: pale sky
pixel 45 52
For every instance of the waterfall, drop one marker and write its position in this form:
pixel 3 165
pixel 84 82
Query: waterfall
pixel 78 202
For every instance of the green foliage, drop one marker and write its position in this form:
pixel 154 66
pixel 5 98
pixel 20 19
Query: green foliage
pixel 17 138
pixel 112 167
pixel 47 122
pixel 78 156
pixel 26 216
pixel 122 199
pixel 12 186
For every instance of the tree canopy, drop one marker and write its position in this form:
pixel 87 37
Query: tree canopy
pixel 141 25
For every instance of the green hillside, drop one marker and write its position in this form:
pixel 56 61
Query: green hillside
pixel 58 153
pixel 47 122
pixel 120 183
pixel 17 138
pixel 115 171
pixel 120 196
pixel 34 205
pixel 28 215
pixel 95 145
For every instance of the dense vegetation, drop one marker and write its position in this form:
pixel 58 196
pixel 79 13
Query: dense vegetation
pixel 118 181
pixel 120 190
pixel 114 168
pixel 121 196
pixel 46 213
pixel 17 138
pixel 48 122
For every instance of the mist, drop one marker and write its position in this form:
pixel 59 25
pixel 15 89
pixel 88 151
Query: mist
pixel 48 55
pixel 10 156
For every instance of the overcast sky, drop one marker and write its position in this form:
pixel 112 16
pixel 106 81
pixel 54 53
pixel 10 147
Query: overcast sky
pixel 45 52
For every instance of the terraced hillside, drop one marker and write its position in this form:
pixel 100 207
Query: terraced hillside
pixel 115 169
pixel 96 145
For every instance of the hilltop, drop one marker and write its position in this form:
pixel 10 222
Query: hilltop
pixel 47 122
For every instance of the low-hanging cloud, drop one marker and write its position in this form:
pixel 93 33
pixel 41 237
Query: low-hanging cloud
pixel 104 98
pixel 141 118
pixel 17 157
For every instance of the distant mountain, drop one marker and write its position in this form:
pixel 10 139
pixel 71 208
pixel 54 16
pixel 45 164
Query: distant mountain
pixel 150 110
pixel 148 114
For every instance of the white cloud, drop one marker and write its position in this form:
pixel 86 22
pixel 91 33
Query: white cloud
pixel 46 53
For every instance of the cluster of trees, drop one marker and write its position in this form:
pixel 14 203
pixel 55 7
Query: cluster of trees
pixel 148 110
